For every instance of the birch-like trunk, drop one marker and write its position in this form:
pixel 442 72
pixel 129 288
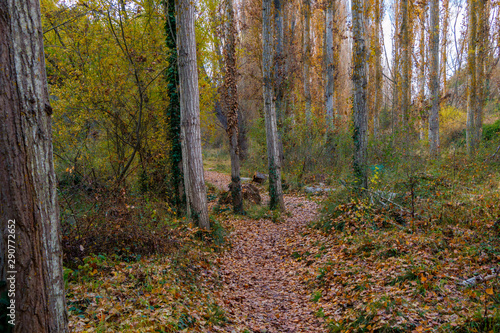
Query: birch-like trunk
pixel 190 115
pixel 330 68
pixel 406 65
pixel 230 96
pixel 279 73
pixel 274 163
pixel 307 59
pixel 471 81
pixel 359 94
pixel 482 40
pixel 395 72
pixel 434 78
pixel 444 45
pixel 29 216
pixel 378 69
pixel 421 76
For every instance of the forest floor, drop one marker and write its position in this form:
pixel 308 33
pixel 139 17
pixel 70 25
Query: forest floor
pixel 270 272
pixel 261 282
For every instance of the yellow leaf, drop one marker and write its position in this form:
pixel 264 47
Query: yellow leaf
pixel 489 291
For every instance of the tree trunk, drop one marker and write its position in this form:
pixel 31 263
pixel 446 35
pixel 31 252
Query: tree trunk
pixel 395 73
pixel 359 95
pixel 29 216
pixel 421 76
pixel 173 110
pixel 406 65
pixel 330 68
pixel 434 79
pixel 230 97
pixel 275 190
pixel 378 69
pixel 194 179
pixel 279 73
pixel 482 40
pixel 307 59
pixel 444 45
pixel 471 81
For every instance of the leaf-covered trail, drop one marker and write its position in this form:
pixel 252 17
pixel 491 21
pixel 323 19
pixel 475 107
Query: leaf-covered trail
pixel 261 283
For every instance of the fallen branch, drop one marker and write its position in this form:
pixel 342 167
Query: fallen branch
pixel 480 278
pixel 494 154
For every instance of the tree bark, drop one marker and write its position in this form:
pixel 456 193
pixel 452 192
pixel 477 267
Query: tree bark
pixel 471 80
pixel 378 69
pixel 434 79
pixel 230 96
pixel 275 189
pixel 330 68
pixel 359 94
pixel 421 76
pixel 29 213
pixel 307 59
pixel 444 45
pixel 173 110
pixel 482 40
pixel 406 65
pixel 194 179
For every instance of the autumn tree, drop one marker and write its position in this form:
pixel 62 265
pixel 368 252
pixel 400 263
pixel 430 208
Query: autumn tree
pixel 330 68
pixel 359 94
pixel 306 58
pixel 30 249
pixel 274 163
pixel 194 180
pixel 471 79
pixel 173 109
pixel 434 78
pixel 230 98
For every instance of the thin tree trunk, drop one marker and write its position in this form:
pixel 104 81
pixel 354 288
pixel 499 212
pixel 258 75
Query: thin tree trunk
pixel 230 97
pixel 444 45
pixel 279 73
pixel 482 40
pixel 434 79
pixel 471 81
pixel 275 189
pixel 359 94
pixel 395 73
pixel 29 213
pixel 406 64
pixel 378 69
pixel 190 115
pixel 307 59
pixel 330 68
pixel 421 77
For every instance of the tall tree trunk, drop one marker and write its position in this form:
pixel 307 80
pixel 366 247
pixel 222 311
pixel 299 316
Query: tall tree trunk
pixel 471 80
pixel 482 40
pixel 395 72
pixel 307 59
pixel 421 77
pixel 359 94
pixel 274 163
pixel 279 73
pixel 330 68
pixel 378 69
pixel 194 179
pixel 444 45
pixel 406 64
pixel 230 97
pixel 434 79
pixel 174 110
pixel 30 246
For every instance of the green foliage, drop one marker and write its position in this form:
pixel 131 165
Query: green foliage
pixel 491 131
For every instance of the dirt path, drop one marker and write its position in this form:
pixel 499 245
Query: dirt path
pixel 262 289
